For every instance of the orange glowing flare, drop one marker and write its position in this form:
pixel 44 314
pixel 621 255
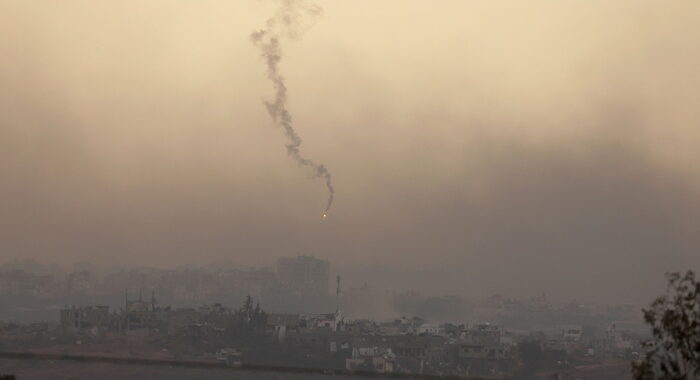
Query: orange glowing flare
pixel 324 216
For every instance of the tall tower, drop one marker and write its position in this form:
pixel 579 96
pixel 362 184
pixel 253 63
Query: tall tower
pixel 337 293
pixel 304 275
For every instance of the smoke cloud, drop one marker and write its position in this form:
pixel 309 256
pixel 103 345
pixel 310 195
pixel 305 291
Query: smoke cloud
pixel 287 22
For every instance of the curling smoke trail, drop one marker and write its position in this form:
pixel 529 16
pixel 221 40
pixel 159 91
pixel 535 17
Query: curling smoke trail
pixel 286 23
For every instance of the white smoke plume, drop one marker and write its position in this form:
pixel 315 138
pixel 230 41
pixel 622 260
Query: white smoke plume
pixel 287 22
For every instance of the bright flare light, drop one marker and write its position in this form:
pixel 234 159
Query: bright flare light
pixel 324 216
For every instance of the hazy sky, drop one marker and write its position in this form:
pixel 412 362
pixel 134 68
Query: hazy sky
pixel 476 146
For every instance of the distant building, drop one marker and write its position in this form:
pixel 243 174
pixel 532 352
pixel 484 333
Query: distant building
pixel 80 318
pixel 430 328
pixel 572 333
pixel 482 350
pixel 19 282
pixel 281 323
pixel 80 282
pixel 379 363
pixel 291 321
pixel 230 356
pixel 304 275
pixel 142 314
pixel 333 321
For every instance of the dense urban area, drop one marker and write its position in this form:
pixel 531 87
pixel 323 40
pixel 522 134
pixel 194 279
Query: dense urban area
pixel 298 315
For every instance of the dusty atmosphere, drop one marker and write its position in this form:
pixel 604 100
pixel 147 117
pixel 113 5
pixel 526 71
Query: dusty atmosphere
pixel 512 147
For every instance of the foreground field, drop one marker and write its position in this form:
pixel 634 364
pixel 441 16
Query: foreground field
pixel 66 370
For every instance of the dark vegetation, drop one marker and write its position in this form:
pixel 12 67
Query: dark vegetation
pixel 674 351
pixel 533 360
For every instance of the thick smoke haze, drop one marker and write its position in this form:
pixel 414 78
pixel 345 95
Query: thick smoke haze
pixel 481 147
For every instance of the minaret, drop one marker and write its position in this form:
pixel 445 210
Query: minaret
pixel 337 294
pixel 125 325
